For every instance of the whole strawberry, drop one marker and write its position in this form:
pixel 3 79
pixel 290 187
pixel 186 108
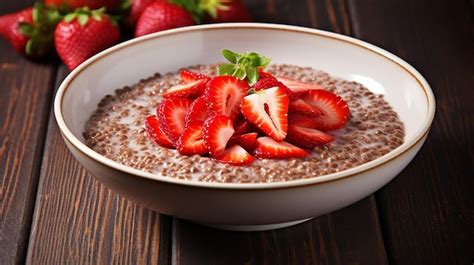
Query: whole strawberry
pixel 221 11
pixel 28 34
pixel 136 9
pixel 91 4
pixel 84 33
pixel 160 16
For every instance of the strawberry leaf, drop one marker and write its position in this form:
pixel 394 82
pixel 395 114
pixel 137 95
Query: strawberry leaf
pixel 82 19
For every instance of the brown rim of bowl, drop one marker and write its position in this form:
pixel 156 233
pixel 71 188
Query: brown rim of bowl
pixel 78 145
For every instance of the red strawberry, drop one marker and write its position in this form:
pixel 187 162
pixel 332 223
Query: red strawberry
pixel 302 107
pixel 153 129
pixel 334 110
pixel 217 132
pixel 73 4
pixel 243 126
pixel 235 155
pixel 247 141
pixel 82 34
pixel 136 9
pixel 307 137
pixel 297 88
pixel 188 90
pixel 161 16
pixel 268 110
pixel 221 11
pixel 269 148
pixel 224 94
pixel 192 141
pixel 197 111
pixel 268 82
pixel 262 74
pixel 190 76
pixel 171 114
pixel 302 121
pixel 28 34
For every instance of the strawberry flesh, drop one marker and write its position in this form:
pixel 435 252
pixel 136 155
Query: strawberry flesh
pixel 268 110
pixel 188 90
pixel 217 132
pixel 188 76
pixel 302 107
pixel 224 94
pixel 302 121
pixel 153 130
pixel 297 88
pixel 268 148
pixel 235 155
pixel 171 114
pixel 197 111
pixel 192 141
pixel 307 137
pixel 334 110
pixel 247 141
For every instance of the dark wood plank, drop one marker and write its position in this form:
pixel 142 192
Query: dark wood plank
pixel 348 236
pixel 427 212
pixel 79 221
pixel 25 90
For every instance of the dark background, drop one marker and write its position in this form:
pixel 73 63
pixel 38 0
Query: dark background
pixel 53 212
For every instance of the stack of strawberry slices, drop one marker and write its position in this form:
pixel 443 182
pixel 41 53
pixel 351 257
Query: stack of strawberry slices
pixel 239 116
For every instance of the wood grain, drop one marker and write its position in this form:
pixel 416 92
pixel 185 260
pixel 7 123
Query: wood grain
pixel 348 236
pixel 427 212
pixel 78 221
pixel 25 95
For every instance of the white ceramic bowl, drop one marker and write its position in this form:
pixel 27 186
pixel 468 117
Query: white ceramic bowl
pixel 245 206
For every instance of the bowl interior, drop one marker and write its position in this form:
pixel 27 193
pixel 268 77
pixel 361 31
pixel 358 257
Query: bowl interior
pixel 341 56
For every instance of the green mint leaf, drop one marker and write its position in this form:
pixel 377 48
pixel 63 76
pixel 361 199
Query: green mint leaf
pixel 239 73
pixel 226 69
pixel 252 74
pixel 229 55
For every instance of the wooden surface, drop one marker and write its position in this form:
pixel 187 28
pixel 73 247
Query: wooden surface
pixel 53 212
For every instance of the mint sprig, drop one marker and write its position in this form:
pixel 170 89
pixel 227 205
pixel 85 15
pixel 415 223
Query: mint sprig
pixel 243 65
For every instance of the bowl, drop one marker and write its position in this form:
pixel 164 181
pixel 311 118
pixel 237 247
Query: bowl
pixel 245 207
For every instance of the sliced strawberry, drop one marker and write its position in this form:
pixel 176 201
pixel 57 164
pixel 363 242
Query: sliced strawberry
pixel 269 148
pixel 297 88
pixel 307 137
pixel 334 110
pixel 192 141
pixel 268 110
pixel 224 94
pixel 302 121
pixel 235 155
pixel 262 74
pixel 171 114
pixel 153 130
pixel 188 90
pixel 243 126
pixel 268 82
pixel 302 107
pixel 217 132
pixel 197 111
pixel 188 76
pixel 247 141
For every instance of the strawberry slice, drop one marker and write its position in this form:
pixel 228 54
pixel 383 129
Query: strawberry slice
pixel 262 74
pixel 243 126
pixel 224 94
pixel 171 114
pixel 188 90
pixel 269 148
pixel 153 130
pixel 268 110
pixel 267 82
pixel 302 121
pixel 192 141
pixel 297 88
pixel 334 110
pixel 302 107
pixel 247 141
pixel 217 132
pixel 197 111
pixel 307 137
pixel 235 155
pixel 188 76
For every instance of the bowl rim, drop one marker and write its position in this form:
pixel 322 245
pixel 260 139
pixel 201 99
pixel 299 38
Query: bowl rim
pixel 351 172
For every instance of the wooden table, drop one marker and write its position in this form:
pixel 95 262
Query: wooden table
pixel 53 212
